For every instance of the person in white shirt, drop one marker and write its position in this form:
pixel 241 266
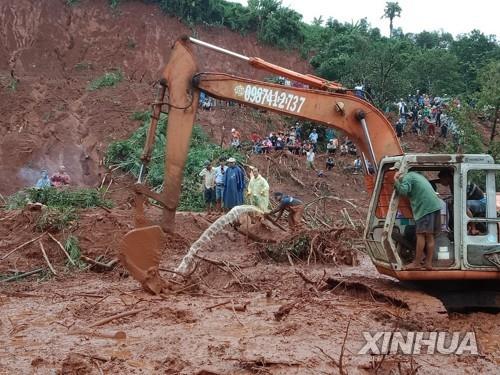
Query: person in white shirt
pixel 310 159
pixel 208 174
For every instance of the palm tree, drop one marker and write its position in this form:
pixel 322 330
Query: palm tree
pixel 391 11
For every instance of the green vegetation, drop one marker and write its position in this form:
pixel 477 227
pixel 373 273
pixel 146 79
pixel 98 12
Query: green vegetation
pixel 58 198
pixel 126 155
pixel 489 94
pixel 55 218
pixel 13 84
pixel 60 205
pixel 72 2
pixel 391 11
pixel 140 116
pixel 114 3
pixel 109 79
pixel 72 246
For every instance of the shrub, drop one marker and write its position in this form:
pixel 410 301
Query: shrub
pixel 72 246
pixel 109 79
pixel 126 155
pixel 58 198
pixel 55 218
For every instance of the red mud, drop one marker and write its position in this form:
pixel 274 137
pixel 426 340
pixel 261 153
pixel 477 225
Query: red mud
pixel 54 51
pixel 179 334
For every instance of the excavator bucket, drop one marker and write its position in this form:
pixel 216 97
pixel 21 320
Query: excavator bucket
pixel 140 253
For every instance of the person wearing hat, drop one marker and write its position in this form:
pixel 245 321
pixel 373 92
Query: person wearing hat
pixel 426 208
pixel 208 174
pixel 234 185
pixel 294 207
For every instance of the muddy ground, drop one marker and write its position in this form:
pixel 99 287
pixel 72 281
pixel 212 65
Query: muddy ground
pixel 44 326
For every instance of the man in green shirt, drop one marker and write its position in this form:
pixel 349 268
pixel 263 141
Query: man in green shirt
pixel 426 209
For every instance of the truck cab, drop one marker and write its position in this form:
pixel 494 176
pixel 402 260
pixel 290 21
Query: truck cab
pixel 468 245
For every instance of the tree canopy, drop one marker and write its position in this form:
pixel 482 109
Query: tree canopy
pixel 355 53
pixel 391 11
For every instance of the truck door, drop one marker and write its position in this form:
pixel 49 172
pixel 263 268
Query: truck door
pixel 385 206
pixel 480 213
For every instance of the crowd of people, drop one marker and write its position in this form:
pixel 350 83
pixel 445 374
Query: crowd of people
pixel 58 179
pixel 423 114
pixel 295 142
pixel 225 187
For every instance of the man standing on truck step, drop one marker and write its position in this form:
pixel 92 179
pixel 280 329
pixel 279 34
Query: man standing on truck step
pixel 208 174
pixel 426 209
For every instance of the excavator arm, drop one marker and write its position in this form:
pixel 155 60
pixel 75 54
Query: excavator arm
pixel 343 112
pixel 328 104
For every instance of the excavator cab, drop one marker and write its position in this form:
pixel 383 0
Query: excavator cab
pixel 468 246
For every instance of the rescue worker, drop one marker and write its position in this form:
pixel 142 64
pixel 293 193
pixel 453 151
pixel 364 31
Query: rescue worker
pixel 294 207
pixel 258 190
pixel 219 183
pixel 60 178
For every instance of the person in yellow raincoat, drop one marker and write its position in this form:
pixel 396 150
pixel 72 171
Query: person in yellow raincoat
pixel 258 190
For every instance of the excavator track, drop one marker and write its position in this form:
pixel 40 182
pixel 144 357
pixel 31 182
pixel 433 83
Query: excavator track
pixel 427 299
pixel 421 306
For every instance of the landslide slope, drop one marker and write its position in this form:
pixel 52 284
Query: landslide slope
pixel 49 54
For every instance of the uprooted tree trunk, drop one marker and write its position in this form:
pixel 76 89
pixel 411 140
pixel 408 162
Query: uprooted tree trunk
pixel 188 262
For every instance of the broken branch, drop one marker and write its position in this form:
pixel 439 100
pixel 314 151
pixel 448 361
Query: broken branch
pixel 63 249
pixel 116 316
pixel 22 245
pixel 108 265
pixel 21 275
pixel 217 305
pixel 47 258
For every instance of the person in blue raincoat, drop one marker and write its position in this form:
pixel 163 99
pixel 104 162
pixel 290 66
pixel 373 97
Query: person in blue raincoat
pixel 43 181
pixel 234 185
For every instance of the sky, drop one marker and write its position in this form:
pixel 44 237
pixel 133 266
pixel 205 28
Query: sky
pixel 453 16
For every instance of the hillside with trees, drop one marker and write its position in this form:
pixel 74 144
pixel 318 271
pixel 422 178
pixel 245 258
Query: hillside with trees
pixel 389 68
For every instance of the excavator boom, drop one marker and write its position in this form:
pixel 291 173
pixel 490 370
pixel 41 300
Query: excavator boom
pixel 357 118
pixel 343 112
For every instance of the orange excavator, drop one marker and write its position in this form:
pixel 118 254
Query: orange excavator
pixel 459 255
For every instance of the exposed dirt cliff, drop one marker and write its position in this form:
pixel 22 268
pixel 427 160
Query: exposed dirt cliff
pixel 50 52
